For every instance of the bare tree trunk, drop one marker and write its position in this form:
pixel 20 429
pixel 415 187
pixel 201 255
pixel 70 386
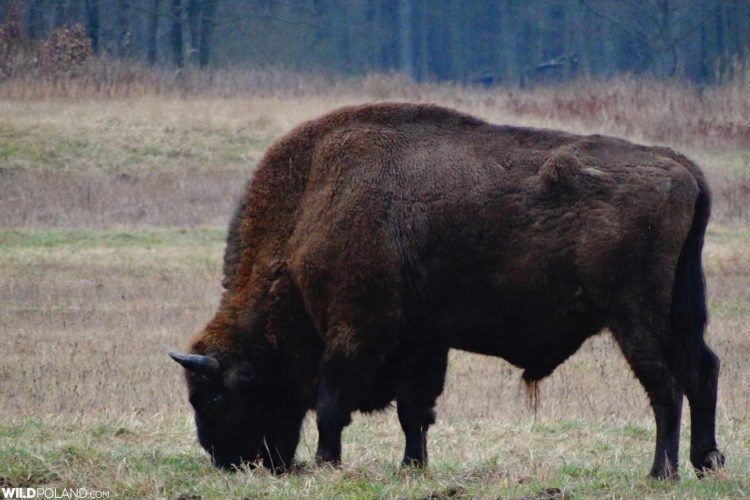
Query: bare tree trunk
pixel 502 43
pixel 74 11
pixel 123 28
pixel 208 22
pixel 703 68
pixel 420 31
pixel 721 54
pixel 59 13
pixel 92 23
pixel 342 40
pixel 12 19
pixel 405 45
pixel 34 20
pixel 153 30
pixel 194 8
pixel 177 52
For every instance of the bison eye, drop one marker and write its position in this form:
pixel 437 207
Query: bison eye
pixel 206 403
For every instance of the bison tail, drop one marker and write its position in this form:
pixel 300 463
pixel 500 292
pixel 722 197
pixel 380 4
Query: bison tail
pixel 689 313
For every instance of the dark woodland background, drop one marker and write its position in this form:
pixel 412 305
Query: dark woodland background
pixel 505 42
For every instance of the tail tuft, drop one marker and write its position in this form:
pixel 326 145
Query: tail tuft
pixel 532 395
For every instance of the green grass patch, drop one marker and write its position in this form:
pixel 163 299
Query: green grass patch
pixel 84 238
pixel 18 147
pixel 161 458
pixel 730 161
pixel 637 432
pixel 728 235
pixel 729 308
pixel 128 146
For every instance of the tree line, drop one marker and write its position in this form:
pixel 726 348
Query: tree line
pixel 483 41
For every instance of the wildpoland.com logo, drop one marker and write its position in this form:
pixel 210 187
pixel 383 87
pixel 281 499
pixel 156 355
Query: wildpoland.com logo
pixel 53 493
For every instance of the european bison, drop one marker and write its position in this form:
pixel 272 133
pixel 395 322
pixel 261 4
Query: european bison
pixel 376 238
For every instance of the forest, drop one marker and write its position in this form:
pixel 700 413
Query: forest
pixel 508 42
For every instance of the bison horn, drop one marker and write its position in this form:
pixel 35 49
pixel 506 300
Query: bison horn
pixel 205 365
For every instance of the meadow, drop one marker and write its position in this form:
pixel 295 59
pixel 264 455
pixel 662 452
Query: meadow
pixel 114 197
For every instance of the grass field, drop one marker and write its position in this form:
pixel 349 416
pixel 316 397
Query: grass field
pixel 112 216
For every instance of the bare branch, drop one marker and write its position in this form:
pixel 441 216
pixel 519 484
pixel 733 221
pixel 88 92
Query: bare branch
pixel 716 9
pixel 637 33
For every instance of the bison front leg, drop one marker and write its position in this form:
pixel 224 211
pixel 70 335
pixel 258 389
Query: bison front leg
pixel 332 416
pixel 344 375
pixel 419 389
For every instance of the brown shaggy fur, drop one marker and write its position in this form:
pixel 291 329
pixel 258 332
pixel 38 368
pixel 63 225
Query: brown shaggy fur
pixel 372 240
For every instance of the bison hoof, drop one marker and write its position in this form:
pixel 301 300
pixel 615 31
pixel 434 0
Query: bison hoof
pixel 666 472
pixel 663 476
pixel 712 461
pixel 323 460
pixel 415 463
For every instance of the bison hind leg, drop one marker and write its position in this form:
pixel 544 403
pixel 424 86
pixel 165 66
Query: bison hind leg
pixel 701 390
pixel 640 343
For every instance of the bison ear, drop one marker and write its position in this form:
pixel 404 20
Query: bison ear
pixel 205 365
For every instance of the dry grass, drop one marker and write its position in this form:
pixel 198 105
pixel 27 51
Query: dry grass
pixel 168 159
pixel 99 276
pixel 647 110
pixel 114 301
pixel 93 399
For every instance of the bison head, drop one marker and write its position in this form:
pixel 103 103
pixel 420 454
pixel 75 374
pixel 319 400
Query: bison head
pixel 241 417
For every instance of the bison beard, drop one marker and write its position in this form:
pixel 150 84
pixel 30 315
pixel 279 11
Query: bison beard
pixel 376 238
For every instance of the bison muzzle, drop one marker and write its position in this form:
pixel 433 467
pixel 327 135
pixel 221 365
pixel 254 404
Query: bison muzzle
pixel 372 240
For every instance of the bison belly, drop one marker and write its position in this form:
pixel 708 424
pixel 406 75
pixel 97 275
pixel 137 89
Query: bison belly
pixel 536 333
